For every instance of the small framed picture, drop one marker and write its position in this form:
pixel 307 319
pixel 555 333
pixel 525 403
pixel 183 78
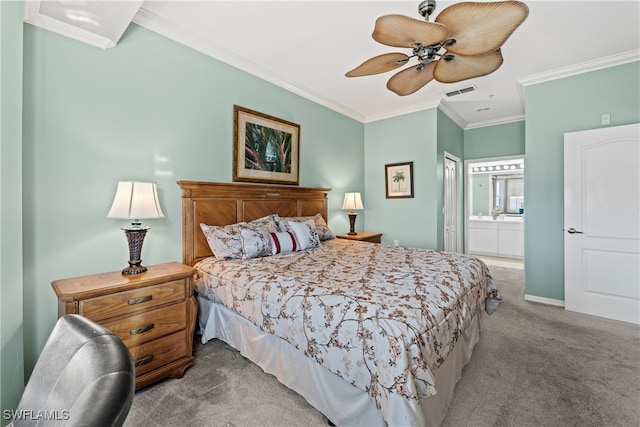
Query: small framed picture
pixel 265 149
pixel 399 180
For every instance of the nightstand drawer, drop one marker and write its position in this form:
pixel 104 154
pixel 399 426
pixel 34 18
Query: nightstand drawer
pixel 153 313
pixel 148 325
pixel 134 300
pixel 160 352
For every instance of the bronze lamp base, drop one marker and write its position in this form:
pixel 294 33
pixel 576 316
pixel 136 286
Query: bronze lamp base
pixel 135 237
pixel 352 224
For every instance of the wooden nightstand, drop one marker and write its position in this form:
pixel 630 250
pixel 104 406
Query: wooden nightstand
pixel 363 236
pixel 153 313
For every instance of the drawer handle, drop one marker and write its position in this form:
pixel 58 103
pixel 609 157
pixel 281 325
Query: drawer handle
pixel 142 329
pixel 140 300
pixel 144 360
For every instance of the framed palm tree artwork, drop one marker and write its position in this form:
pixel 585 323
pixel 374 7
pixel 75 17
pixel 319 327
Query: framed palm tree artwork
pixel 399 180
pixel 265 148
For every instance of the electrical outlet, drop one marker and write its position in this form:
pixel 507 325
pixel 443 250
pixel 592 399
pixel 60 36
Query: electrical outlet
pixel 396 243
pixel 605 119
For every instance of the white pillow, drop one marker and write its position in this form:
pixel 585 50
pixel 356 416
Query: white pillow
pixel 283 242
pixel 305 233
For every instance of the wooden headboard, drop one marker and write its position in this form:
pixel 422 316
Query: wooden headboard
pixel 216 203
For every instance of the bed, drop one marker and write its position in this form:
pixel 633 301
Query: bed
pixel 368 334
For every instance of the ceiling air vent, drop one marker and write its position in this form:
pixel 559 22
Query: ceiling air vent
pixel 461 91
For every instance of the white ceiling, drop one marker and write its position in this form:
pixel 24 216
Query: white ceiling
pixel 307 46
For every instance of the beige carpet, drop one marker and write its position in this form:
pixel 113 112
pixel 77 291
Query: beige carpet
pixel 535 365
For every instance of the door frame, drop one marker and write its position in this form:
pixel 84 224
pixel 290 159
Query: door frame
pixel 468 163
pixel 460 201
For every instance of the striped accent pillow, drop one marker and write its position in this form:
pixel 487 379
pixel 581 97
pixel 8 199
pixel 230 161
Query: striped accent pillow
pixel 283 242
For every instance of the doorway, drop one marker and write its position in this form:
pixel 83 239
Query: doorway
pixel 452 203
pixel 495 210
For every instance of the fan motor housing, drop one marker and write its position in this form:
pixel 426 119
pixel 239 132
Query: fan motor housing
pixel 426 8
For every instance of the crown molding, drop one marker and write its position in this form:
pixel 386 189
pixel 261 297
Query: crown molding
pixel 152 22
pixel 397 113
pixel 584 67
pixel 500 121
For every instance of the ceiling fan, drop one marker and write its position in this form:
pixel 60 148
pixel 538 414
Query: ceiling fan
pixel 464 42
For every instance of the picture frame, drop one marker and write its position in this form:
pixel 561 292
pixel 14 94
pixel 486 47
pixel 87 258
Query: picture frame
pixel 266 149
pixel 399 180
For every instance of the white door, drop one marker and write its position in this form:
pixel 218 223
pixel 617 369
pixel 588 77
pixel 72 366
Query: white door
pixel 452 221
pixel 601 222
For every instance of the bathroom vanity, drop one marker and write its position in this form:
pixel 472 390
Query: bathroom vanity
pixel 501 237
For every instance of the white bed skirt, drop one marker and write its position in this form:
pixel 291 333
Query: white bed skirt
pixel 339 401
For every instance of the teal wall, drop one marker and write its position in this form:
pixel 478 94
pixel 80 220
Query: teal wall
pixel 149 109
pixel 408 138
pixel 11 247
pixel 554 108
pixel 450 139
pixel 495 141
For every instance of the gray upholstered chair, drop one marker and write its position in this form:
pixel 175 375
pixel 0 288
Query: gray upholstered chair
pixel 84 376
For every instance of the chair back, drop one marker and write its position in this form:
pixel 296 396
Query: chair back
pixel 85 376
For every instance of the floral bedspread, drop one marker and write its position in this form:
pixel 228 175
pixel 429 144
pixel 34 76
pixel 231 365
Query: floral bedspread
pixel 383 318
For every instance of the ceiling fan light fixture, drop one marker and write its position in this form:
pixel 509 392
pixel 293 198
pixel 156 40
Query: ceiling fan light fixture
pixel 449 42
pixel 464 42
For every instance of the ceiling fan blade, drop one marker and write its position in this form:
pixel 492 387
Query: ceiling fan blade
pixel 463 67
pixel 481 27
pixel 379 64
pixel 402 31
pixel 411 79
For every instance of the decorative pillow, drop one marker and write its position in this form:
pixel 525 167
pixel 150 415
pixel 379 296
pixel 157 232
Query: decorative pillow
pixel 225 241
pixel 283 243
pixel 256 241
pixel 324 232
pixel 306 234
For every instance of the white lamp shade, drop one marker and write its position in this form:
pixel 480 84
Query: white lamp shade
pixel 352 201
pixel 136 200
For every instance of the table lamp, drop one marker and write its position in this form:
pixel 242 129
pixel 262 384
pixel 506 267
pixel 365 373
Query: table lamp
pixel 352 201
pixel 135 201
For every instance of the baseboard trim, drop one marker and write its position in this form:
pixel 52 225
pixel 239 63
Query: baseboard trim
pixel 542 300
